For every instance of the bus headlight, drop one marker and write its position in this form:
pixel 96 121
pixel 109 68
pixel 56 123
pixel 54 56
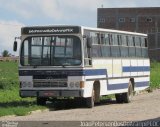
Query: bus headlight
pixel 77 84
pixel 26 84
pixel 29 84
pixel 71 84
pixel 23 84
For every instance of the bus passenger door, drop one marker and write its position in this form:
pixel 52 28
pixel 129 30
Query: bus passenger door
pixel 87 51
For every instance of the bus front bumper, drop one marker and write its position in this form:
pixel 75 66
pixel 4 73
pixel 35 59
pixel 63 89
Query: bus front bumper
pixel 51 93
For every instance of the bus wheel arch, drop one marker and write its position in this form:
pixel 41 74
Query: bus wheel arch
pixel 96 88
pixel 133 83
pixel 126 97
pixel 95 97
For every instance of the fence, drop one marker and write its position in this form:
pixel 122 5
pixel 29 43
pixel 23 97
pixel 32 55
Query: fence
pixel 9 59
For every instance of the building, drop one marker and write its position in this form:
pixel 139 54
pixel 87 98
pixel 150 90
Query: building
pixel 143 20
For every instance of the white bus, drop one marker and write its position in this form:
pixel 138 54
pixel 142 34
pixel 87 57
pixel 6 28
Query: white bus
pixel 82 62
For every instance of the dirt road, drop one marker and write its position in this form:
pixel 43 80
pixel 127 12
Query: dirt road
pixel 143 107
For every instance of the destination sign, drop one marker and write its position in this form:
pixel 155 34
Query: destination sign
pixel 50 30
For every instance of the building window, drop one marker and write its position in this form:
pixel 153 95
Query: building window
pixel 149 19
pixel 101 20
pixel 121 19
pixel 132 19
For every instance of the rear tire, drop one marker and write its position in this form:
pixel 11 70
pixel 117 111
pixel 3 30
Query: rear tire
pixel 41 101
pixel 119 98
pixel 127 97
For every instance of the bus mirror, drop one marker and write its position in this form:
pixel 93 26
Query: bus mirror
pixel 15 46
pixel 89 43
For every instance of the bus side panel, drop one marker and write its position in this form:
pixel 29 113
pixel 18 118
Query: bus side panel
pixel 133 67
pixel 88 87
pixel 140 64
pixel 146 65
pixel 117 86
pixel 117 67
pixel 141 83
pixel 103 87
pixel 103 64
pixel 108 65
pixel 125 64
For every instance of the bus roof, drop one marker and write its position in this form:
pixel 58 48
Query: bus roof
pixel 48 28
pixel 113 31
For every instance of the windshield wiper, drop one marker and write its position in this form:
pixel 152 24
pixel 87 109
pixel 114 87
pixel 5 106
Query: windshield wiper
pixel 35 66
pixel 65 64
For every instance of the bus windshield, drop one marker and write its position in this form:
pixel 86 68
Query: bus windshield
pixel 56 50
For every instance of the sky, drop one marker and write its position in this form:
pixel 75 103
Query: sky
pixel 15 14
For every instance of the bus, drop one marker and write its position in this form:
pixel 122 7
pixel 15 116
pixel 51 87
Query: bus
pixel 63 61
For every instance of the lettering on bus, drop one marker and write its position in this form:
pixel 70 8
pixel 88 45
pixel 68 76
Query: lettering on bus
pixel 50 30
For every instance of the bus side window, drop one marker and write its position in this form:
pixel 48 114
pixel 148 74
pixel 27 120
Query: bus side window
pixel 144 47
pixel 119 37
pixel 124 47
pixel 146 42
pixel 95 37
pixel 96 47
pixel 131 44
pixel 111 39
pixel 105 46
pixel 105 40
pixel 115 51
pixel 87 52
pixel 138 46
pixel 115 39
pixel 25 53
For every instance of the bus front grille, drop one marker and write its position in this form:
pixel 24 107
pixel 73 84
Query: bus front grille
pixel 40 84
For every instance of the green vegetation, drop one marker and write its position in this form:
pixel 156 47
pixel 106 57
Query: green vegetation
pixel 5 53
pixel 155 75
pixel 12 104
pixel 8 75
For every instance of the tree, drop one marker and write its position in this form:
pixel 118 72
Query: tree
pixel 5 53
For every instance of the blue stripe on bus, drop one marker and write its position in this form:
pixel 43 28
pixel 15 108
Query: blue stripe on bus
pixel 117 86
pixel 142 84
pixel 87 72
pixel 92 72
pixel 135 68
pixel 125 85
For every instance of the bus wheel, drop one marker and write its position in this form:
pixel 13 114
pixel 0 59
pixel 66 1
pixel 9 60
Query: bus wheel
pixel 127 97
pixel 90 100
pixel 119 98
pixel 41 101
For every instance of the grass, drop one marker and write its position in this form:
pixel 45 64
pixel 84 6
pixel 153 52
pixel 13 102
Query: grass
pixel 12 104
pixel 8 75
pixel 155 75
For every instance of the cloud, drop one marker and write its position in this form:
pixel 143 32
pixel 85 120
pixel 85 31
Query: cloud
pixel 66 9
pixel 50 9
pixel 76 12
pixel 53 9
pixel 8 31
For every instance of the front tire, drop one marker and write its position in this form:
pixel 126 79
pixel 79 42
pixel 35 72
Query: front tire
pixel 41 101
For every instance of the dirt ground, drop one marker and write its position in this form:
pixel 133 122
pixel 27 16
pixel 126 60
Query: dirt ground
pixel 144 107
